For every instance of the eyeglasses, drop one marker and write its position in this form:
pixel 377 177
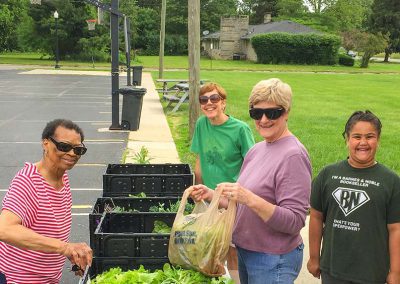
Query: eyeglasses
pixel 270 113
pixel 65 147
pixel 214 98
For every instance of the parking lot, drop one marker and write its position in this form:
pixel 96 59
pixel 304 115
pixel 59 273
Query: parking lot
pixel 28 102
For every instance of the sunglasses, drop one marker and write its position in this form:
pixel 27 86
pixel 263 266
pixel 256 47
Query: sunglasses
pixel 215 98
pixel 270 113
pixel 65 147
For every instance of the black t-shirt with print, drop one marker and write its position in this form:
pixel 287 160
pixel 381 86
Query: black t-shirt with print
pixel 357 205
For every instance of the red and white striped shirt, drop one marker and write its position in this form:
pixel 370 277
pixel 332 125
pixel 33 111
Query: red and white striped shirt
pixel 45 211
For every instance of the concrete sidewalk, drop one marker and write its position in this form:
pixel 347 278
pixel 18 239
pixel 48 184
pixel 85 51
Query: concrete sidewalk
pixel 154 132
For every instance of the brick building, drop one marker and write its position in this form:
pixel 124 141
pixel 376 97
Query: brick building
pixel 233 41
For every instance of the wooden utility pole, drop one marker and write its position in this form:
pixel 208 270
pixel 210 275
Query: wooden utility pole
pixel 162 39
pixel 194 61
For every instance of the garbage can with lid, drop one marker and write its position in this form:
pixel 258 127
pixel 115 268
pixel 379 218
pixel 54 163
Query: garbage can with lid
pixel 137 75
pixel 131 107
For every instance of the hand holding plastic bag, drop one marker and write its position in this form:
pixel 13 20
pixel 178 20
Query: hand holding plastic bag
pixel 201 240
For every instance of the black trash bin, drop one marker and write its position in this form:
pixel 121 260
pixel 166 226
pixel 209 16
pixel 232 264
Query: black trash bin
pixel 131 107
pixel 137 75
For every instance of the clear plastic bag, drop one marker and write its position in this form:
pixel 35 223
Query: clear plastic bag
pixel 201 239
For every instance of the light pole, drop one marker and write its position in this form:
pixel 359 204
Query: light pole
pixel 57 51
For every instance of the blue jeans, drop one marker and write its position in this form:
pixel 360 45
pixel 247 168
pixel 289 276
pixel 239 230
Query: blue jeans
pixel 265 268
pixel 2 278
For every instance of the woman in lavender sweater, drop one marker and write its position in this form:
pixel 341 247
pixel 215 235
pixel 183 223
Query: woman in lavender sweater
pixel 272 192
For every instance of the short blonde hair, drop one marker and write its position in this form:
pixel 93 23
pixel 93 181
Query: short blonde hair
pixel 271 90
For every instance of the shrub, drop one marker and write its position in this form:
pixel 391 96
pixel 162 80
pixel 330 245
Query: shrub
pixel 288 48
pixel 346 60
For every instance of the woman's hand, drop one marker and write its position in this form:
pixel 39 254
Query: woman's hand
pixel 201 192
pixel 234 191
pixel 313 268
pixel 393 278
pixel 79 254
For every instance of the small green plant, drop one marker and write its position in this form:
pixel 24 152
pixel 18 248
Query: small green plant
pixel 124 155
pixel 142 157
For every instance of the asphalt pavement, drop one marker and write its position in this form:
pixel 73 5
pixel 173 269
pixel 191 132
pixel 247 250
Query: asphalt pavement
pixel 31 98
pixel 27 102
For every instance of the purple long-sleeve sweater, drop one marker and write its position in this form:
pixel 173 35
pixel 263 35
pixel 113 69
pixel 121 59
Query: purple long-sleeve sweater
pixel 280 173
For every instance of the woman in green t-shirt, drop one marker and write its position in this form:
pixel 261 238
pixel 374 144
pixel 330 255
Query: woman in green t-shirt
pixel 220 142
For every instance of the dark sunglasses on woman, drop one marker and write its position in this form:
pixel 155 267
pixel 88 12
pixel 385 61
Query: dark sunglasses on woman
pixel 214 98
pixel 65 147
pixel 270 113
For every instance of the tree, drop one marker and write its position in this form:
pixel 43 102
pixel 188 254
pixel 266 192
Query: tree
pixel 71 26
pixel 349 14
pixel 385 18
pixel 256 9
pixel 211 12
pixel 261 9
pixel 12 14
pixel 318 6
pixel 368 43
pixel 291 8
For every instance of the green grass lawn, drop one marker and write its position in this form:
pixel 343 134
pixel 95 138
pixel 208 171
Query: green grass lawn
pixel 392 56
pixel 324 97
pixel 321 105
pixel 181 62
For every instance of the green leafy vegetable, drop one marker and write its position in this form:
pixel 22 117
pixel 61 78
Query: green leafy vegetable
pixel 167 275
pixel 161 228
pixel 173 207
pixel 120 209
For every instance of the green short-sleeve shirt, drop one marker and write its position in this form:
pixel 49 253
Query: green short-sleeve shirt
pixel 221 149
pixel 357 205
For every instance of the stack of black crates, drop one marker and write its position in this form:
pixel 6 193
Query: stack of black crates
pixel 125 239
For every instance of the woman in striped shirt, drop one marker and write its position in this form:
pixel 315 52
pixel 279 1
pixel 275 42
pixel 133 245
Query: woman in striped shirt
pixel 35 221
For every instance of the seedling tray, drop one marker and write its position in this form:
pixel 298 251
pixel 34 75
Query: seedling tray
pixel 129 235
pixel 153 180
pixel 142 204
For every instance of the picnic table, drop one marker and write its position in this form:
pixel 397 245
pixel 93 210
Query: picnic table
pixel 165 89
pixel 181 95
pixel 177 93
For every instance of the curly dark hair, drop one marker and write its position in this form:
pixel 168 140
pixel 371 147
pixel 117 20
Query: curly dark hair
pixel 360 115
pixel 51 127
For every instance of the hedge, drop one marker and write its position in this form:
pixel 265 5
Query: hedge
pixel 285 48
pixel 346 60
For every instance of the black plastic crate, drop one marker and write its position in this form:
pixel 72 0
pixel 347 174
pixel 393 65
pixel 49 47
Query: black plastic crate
pixel 102 264
pixel 153 180
pixel 148 169
pixel 142 204
pixel 129 235
pixel 151 185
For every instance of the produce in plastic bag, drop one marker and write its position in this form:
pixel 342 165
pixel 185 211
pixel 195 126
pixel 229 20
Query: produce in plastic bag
pixel 201 239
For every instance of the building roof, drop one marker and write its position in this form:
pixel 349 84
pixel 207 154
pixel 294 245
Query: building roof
pixel 212 35
pixel 271 27
pixel 281 26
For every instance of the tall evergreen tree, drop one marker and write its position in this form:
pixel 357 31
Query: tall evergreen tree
pixel 385 18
